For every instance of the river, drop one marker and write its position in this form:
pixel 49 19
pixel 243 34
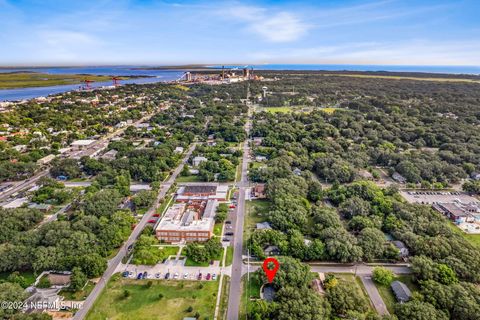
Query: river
pixel 34 92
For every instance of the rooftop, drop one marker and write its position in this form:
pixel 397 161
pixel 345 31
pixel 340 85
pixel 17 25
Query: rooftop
pixel 79 143
pixel 185 217
pixel 401 291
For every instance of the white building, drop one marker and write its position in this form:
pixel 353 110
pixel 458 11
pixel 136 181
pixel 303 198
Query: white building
pixel 81 144
pixel 46 159
pixel 197 160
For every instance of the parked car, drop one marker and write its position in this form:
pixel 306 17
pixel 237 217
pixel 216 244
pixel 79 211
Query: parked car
pixel 125 274
pixel 229 233
pixel 157 275
pixel 208 276
pixel 167 275
pixel 226 239
pixel 228 222
pixel 140 276
pixel 214 276
pixel 185 276
pixel 152 221
pixel 145 275
pixel 199 277
pixel 175 276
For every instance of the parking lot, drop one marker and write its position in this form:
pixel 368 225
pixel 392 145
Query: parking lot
pixel 431 197
pixel 171 271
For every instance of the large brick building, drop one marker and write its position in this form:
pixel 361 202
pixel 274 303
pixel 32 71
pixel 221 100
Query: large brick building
pixel 187 222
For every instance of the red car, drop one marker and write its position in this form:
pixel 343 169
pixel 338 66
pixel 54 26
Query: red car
pixel 208 276
pixel 156 215
pixel 232 206
pixel 152 221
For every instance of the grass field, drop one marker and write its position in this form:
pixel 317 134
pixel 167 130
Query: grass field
pixel 164 204
pixel 387 294
pixel 229 258
pixel 78 295
pixel 190 178
pixel 256 210
pixel 26 80
pixel 402 78
pixel 328 110
pixel 250 292
pixel 474 239
pixel 144 302
pixel 217 229
pixel 222 313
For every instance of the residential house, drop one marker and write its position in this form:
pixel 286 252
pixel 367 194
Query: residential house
pixel 271 251
pixel 258 191
pixel 263 226
pixel 197 160
pixel 402 248
pixel 41 207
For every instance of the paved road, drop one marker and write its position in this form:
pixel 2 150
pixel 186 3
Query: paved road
pixel 358 269
pixel 237 265
pixel 374 295
pixel 115 262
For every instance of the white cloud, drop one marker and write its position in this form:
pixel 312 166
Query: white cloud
pixel 272 26
pixel 415 52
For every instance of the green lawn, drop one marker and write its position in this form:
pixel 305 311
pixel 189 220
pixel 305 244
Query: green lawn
pixel 78 295
pixel 229 258
pixel 256 210
pixel 144 303
pixel 34 79
pixel 217 229
pixel 387 294
pixel 164 204
pixel 191 178
pixel 222 313
pixel 474 239
pixel 278 109
pixel 250 292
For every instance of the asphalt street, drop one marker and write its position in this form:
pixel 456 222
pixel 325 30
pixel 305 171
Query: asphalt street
pixel 237 265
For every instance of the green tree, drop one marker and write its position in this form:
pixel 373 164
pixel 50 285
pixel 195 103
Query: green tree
pixel 417 310
pixel 77 279
pixel 382 276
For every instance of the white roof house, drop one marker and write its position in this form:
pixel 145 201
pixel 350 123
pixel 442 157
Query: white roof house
pixel 46 159
pixel 82 143
pixel 197 160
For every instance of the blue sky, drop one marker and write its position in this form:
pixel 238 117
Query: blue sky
pixel 146 32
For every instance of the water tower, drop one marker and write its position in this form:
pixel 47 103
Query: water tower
pixel 264 92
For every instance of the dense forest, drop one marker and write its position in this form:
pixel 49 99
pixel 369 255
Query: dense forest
pixel 427 131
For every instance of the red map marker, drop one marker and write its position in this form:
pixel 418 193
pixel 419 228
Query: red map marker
pixel 270 272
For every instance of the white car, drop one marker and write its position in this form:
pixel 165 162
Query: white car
pixel 214 276
pixel 185 276
pixel 175 276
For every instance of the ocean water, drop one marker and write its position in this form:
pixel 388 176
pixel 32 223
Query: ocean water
pixel 357 67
